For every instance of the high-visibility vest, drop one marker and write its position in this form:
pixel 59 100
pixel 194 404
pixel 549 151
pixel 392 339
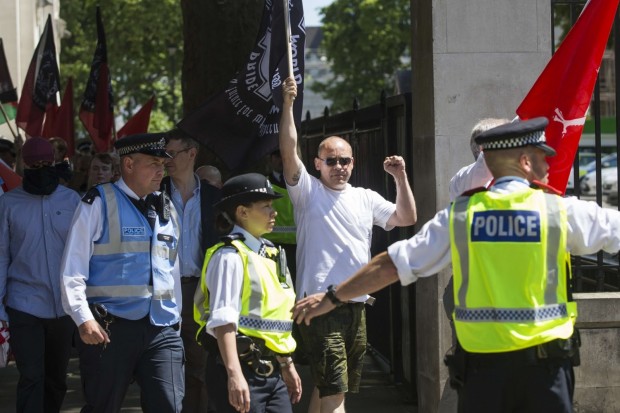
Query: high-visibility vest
pixel 510 270
pixel 284 230
pixel 131 266
pixel 266 299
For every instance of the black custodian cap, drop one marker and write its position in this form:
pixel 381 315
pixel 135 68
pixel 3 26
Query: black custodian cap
pixel 516 135
pixel 153 144
pixel 246 188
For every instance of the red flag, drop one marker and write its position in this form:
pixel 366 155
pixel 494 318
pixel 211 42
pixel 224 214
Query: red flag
pixel 96 111
pixel 10 178
pixel 63 125
pixel 563 90
pixel 41 86
pixel 139 122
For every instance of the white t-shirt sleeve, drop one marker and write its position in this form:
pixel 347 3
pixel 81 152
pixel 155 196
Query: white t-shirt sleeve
pixel 591 228
pixel 426 253
pixel 301 193
pixel 469 177
pixel 382 210
pixel 224 279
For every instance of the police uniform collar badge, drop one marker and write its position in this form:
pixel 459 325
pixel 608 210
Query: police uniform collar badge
pixel 517 135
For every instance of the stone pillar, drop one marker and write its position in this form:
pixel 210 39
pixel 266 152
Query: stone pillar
pixel 470 59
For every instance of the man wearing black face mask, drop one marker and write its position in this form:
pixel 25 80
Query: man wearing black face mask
pixel 34 222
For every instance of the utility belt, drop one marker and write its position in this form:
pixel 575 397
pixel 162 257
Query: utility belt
pixel 252 352
pixel 543 354
pixel 105 318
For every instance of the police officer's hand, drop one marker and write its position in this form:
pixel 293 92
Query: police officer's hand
pixel 92 333
pixel 289 91
pixel 238 391
pixel 293 382
pixel 394 165
pixel 311 306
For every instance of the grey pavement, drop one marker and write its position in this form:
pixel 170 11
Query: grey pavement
pixel 377 393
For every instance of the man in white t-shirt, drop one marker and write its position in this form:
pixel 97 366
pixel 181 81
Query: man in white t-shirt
pixel 334 230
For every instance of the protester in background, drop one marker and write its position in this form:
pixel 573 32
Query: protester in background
pixel 210 174
pixel 334 231
pixel 61 163
pixel 247 293
pixel 102 168
pixel 514 312
pixel 193 200
pixel 34 223
pixel 118 285
pixel 81 165
pixel 475 174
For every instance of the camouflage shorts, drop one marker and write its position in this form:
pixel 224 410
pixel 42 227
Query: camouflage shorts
pixel 336 344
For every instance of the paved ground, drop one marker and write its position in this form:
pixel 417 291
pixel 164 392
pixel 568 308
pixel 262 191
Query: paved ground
pixel 377 393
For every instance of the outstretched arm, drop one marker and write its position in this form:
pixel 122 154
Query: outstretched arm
pixel 405 213
pixel 292 165
pixel 377 274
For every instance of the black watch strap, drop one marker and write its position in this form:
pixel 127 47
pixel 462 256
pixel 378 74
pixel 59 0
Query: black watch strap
pixel 331 294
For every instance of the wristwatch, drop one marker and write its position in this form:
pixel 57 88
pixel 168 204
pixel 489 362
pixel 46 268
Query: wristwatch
pixel 331 294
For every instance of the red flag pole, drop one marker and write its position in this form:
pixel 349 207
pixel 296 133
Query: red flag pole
pixel 287 29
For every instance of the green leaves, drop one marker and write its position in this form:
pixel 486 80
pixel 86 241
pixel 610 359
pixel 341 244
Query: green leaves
pixel 365 41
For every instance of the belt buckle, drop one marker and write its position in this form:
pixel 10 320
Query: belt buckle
pixel 261 365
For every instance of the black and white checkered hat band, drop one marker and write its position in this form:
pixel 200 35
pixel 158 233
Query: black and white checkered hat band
pixel 151 146
pixel 517 142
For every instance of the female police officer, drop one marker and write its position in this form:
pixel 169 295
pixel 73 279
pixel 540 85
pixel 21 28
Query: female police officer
pixel 245 300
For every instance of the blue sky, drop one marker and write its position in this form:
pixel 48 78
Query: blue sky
pixel 311 13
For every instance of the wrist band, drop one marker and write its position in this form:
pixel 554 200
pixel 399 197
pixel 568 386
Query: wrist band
pixel 286 363
pixel 331 294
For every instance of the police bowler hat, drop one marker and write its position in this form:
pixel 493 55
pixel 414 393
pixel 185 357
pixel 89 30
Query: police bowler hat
pixel 517 135
pixel 246 188
pixel 153 144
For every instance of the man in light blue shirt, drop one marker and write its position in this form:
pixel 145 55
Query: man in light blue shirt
pixel 193 200
pixel 34 223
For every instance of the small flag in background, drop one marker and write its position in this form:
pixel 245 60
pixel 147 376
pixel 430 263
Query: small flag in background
pixel 139 122
pixel 240 124
pixel 564 89
pixel 42 85
pixel 8 94
pixel 96 110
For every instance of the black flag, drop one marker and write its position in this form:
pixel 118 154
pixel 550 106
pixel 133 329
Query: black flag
pixel 240 124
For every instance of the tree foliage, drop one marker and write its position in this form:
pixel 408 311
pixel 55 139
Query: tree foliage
pixel 365 41
pixel 145 49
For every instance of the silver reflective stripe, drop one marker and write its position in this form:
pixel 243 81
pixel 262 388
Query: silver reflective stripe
pixel 114 230
pixel 118 291
pixel 554 231
pixel 279 326
pixel 459 222
pixel 255 285
pixel 517 315
pixel 128 291
pixel 284 229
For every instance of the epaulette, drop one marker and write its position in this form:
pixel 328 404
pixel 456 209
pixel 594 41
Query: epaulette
pixel 472 191
pixel 545 188
pixel 228 239
pixel 268 243
pixel 90 196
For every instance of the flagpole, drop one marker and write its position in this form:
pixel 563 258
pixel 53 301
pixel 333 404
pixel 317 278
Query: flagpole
pixel 287 29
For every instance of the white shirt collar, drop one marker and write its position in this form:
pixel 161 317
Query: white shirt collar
pixel 250 240
pixel 123 187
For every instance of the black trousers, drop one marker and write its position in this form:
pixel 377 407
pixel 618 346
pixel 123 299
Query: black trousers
pixel 267 394
pixel 151 355
pixel 516 382
pixel 42 347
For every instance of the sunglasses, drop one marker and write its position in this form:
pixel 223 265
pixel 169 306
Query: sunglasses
pixel 344 161
pixel 174 154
